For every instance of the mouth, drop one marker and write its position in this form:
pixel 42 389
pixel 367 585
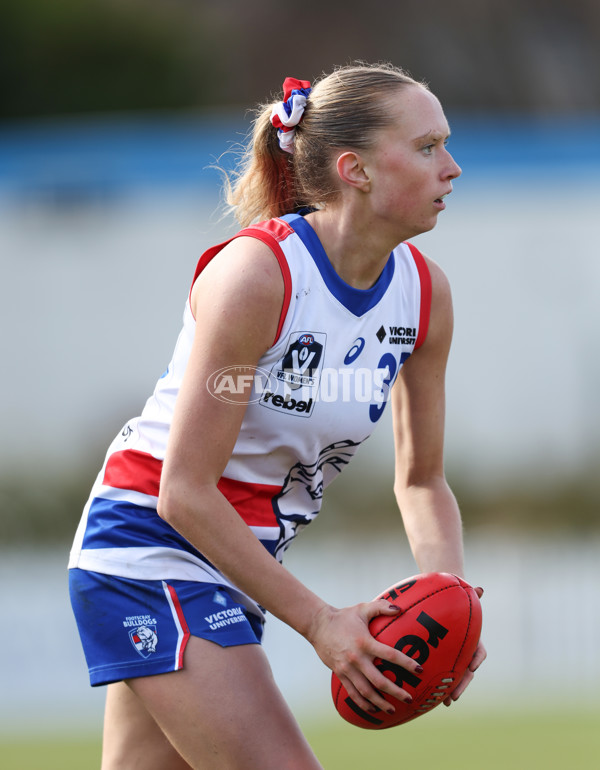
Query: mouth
pixel 439 202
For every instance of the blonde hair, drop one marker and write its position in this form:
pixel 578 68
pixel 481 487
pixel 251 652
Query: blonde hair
pixel 344 110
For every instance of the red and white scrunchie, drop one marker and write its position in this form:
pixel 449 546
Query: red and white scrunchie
pixel 287 114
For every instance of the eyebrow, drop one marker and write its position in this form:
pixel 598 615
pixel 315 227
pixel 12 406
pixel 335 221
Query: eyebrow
pixel 433 134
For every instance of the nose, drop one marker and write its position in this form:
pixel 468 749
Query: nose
pixel 454 170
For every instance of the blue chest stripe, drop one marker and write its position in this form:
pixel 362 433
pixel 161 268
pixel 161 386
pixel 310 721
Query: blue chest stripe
pixel 357 301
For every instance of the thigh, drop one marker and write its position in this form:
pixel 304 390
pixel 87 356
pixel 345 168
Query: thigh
pixel 224 710
pixel 131 738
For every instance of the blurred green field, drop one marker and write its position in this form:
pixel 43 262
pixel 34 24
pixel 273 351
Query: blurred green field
pixel 452 739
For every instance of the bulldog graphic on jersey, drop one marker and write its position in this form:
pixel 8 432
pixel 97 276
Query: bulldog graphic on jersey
pixel 303 487
pixel 297 375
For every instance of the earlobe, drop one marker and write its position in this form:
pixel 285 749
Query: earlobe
pixel 351 170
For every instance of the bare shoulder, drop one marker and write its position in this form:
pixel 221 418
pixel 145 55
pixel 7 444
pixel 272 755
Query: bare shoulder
pixel 441 319
pixel 244 263
pixel 440 285
pixel 242 286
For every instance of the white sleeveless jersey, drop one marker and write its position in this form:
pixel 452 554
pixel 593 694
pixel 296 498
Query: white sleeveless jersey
pixel 317 394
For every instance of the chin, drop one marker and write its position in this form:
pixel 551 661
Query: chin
pixel 423 228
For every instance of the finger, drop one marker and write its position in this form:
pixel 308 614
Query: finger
pixel 462 686
pixel 380 607
pixel 383 651
pixel 383 684
pixel 396 657
pixel 370 684
pixel 478 658
pixel 479 591
pixel 366 696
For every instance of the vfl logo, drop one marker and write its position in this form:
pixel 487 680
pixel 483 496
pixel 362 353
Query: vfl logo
pixel 296 374
pixel 144 639
pixel 301 362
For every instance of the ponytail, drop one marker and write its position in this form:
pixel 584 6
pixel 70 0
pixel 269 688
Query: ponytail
pixel 344 110
pixel 264 187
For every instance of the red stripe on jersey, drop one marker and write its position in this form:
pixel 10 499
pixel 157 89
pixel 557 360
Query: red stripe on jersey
pixel 251 501
pixel 425 280
pixel 270 233
pixel 131 469
pixel 279 229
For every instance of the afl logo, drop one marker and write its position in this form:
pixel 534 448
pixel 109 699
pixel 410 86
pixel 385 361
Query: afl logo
pixel 306 339
pixel 355 350
pixel 234 384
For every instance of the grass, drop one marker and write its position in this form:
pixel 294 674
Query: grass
pixel 462 741
pixel 451 739
pixel 49 753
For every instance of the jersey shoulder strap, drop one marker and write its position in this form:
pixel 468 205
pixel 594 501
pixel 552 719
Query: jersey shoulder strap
pixel 425 306
pixel 271 233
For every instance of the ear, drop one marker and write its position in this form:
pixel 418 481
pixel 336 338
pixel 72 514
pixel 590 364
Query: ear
pixel 351 170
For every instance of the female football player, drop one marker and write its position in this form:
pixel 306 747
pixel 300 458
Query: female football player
pixel 296 334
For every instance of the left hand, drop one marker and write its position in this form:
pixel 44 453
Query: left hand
pixel 478 657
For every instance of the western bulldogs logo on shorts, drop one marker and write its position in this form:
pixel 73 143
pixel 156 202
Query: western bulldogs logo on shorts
pixel 142 633
pixel 144 639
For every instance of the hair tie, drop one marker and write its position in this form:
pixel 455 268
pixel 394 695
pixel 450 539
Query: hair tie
pixel 287 114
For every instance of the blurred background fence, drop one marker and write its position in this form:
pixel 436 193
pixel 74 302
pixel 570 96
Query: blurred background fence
pixel 112 118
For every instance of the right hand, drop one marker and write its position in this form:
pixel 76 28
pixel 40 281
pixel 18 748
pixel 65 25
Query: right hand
pixel 342 640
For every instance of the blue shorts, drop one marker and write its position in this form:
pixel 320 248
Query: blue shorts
pixel 132 628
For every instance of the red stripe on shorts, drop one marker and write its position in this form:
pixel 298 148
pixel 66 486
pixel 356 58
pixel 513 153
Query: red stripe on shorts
pixel 184 631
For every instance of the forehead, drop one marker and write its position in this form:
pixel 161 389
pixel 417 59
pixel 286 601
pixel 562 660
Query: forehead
pixel 417 113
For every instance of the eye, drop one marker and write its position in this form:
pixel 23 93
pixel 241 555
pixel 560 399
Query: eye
pixel 428 149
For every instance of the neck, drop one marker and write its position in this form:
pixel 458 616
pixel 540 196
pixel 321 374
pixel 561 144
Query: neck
pixel 357 251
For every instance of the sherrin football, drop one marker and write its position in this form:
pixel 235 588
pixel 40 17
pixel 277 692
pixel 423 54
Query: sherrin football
pixel 439 626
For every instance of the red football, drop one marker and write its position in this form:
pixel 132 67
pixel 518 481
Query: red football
pixel 439 626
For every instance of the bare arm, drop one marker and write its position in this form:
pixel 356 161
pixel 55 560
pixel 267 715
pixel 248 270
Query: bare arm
pixel 428 506
pixel 237 301
pixel 429 509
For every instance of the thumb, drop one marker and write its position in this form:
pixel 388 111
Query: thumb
pixel 383 607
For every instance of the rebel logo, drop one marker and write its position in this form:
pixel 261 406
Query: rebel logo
pixel 290 404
